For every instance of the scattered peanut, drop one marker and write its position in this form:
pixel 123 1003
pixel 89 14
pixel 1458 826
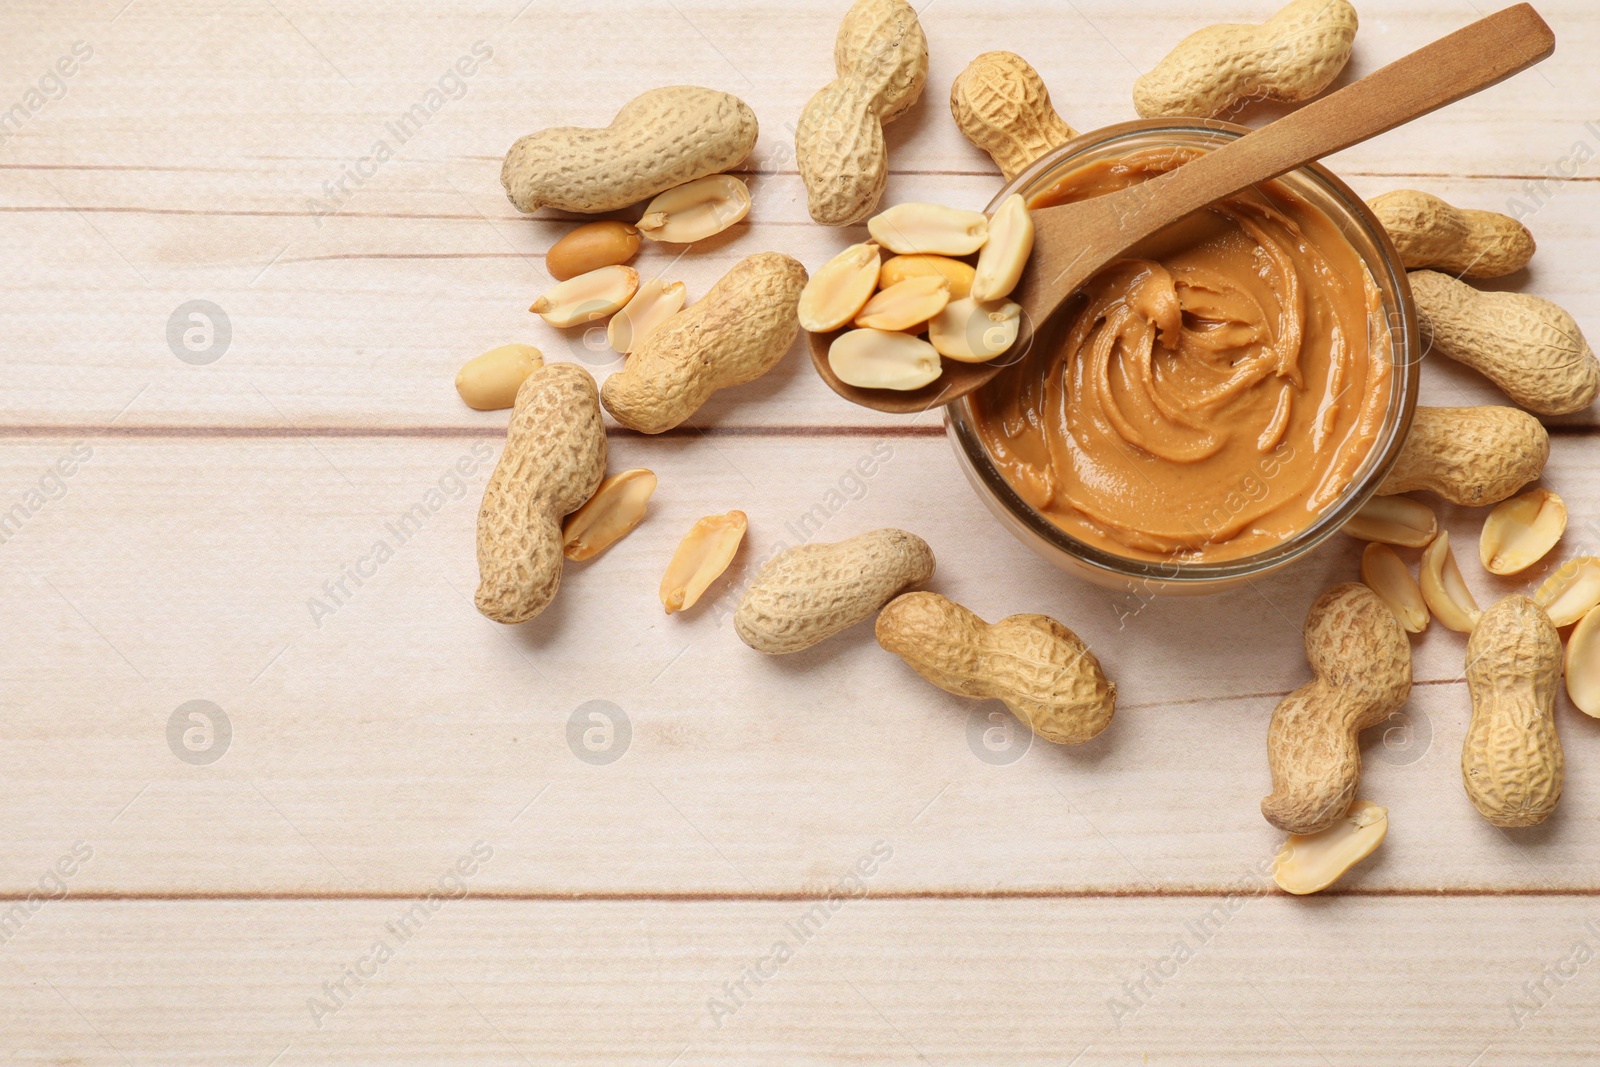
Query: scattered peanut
pixel 1472 456
pixel 808 593
pixel 947 231
pixel 554 458
pixel 1386 574
pixel 910 303
pixel 587 297
pixel 1290 58
pixel 1571 592
pixel 1511 760
pixel 702 556
pixel 1529 347
pixel 661 138
pixel 1001 104
pixel 1394 520
pixel 1310 863
pixel 609 516
pixel 742 328
pixel 1521 531
pixel 881 58
pixel 1006 251
pixel 1443 588
pixel 693 212
pixel 1428 232
pixel 973 332
pixel 1036 666
pixel 654 303
pixel 840 288
pixel 1361 662
pixel 590 247
pixel 957 273
pixel 1583 664
pixel 883 359
pixel 490 381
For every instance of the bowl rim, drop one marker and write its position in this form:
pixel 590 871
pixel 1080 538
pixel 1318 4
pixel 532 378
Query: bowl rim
pixel 1045 537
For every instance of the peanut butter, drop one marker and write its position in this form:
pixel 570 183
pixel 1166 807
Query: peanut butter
pixel 1207 397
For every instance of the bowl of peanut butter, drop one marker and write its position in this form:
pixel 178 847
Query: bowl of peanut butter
pixel 1218 402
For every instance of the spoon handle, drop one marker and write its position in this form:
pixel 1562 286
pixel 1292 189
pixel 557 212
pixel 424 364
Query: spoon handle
pixel 1473 58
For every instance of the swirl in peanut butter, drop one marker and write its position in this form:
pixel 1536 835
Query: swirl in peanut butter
pixel 1207 397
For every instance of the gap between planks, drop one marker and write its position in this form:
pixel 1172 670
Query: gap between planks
pixel 100 431
pixel 1218 892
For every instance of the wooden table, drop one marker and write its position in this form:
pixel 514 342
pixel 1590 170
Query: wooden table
pixel 271 876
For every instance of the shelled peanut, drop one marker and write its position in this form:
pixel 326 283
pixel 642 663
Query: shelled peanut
pixel 702 556
pixel 926 288
pixel 1310 863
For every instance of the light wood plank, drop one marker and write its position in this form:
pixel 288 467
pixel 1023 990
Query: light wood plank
pixel 137 192
pixel 1266 981
pixel 391 324
pixel 366 746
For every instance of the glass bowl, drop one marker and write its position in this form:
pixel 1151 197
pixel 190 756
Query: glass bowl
pixel 1318 187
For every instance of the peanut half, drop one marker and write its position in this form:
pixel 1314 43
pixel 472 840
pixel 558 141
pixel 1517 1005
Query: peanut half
pixel 973 332
pixel 695 211
pixel 1583 664
pixel 840 288
pixel 654 303
pixel 587 297
pixel 907 304
pixel 1521 531
pixel 702 556
pixel 738 332
pixel 1529 347
pixel 881 58
pixel 1310 863
pixel 1034 665
pixel 490 381
pixel 1361 663
pixel 1394 520
pixel 1428 232
pixel 1386 574
pixel 957 273
pixel 1002 106
pixel 1571 592
pixel 660 139
pixel 1005 252
pixel 883 359
pixel 806 594
pixel 590 247
pixel 1290 58
pixel 946 231
pixel 1511 761
pixel 1471 456
pixel 1443 588
pixel 609 516
pixel 554 458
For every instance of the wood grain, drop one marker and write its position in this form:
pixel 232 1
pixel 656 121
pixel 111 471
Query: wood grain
pixel 369 753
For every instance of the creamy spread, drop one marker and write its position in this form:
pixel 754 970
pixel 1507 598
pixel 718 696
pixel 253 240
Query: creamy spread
pixel 1208 396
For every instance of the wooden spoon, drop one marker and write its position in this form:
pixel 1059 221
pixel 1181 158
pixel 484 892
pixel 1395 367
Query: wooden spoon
pixel 1074 241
